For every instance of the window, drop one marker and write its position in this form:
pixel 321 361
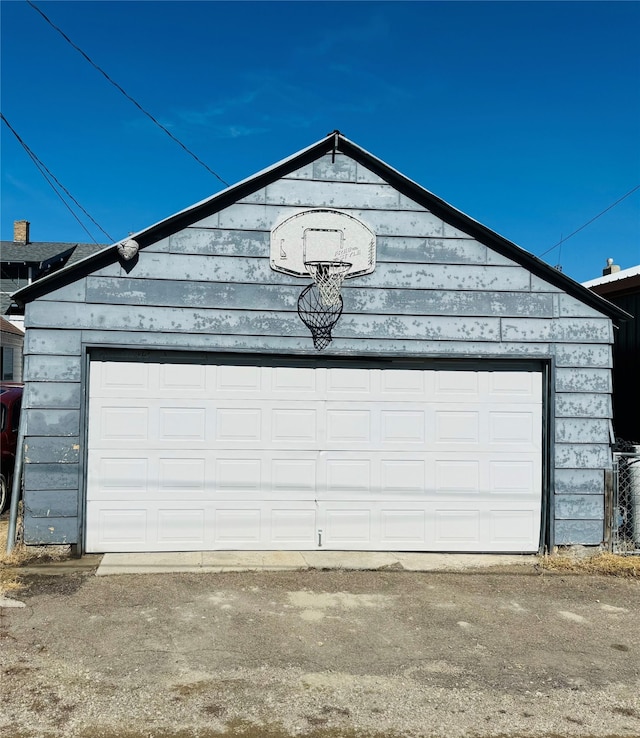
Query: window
pixel 6 363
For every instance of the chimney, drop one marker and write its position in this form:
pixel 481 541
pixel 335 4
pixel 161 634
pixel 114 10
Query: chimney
pixel 21 231
pixel 611 268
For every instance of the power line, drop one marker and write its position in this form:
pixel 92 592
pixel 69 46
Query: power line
pixel 48 176
pixel 562 240
pixel 131 99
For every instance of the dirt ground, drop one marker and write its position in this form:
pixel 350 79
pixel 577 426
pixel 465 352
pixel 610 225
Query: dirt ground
pixel 322 654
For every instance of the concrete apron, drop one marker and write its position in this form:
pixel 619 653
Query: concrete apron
pixel 223 561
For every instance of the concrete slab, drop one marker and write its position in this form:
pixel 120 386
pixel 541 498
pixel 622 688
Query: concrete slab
pixel 460 562
pixel 353 560
pixel 227 561
pixel 252 560
pixel 149 563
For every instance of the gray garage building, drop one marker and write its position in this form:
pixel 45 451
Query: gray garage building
pixel 436 388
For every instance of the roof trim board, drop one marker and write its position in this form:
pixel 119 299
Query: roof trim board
pixel 335 141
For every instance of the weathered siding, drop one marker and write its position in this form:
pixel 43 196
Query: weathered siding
pixel 436 292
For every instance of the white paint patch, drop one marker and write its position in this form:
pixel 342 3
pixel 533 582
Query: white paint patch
pixel 572 616
pixel 613 608
pixel 7 602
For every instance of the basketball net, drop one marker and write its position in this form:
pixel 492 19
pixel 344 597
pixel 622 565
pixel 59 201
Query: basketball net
pixel 328 275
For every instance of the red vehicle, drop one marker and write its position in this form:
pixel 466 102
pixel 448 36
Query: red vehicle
pixel 10 404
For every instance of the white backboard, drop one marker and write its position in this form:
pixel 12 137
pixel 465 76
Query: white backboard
pixel 322 235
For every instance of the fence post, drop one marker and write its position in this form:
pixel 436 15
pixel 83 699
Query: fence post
pixel 609 508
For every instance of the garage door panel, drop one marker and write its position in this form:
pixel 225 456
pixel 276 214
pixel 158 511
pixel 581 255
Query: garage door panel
pixel 238 526
pixel 456 529
pixel 402 475
pixel 117 529
pixel 190 457
pixel 403 427
pixel 183 378
pixel 457 426
pixel 514 529
pixel 178 526
pixel 456 386
pixel 406 384
pixel 296 425
pixel 293 528
pixel 401 528
pixel 346 526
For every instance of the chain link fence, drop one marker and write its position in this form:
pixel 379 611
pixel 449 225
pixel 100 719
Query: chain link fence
pixel 625 528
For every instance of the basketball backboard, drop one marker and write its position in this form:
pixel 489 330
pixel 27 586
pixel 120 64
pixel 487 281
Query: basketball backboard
pixel 322 235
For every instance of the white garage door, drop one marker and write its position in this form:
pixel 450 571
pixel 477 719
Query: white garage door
pixel 204 457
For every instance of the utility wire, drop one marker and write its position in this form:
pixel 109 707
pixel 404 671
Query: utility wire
pixel 48 175
pixel 562 240
pixel 131 99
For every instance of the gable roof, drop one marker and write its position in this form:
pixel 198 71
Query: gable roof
pixel 333 142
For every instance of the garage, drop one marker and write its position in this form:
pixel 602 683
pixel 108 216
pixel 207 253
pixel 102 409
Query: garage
pixel 322 356
pixel 301 455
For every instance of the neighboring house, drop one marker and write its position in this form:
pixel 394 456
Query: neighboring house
pixel 176 399
pixel 23 261
pixel 11 347
pixel 622 288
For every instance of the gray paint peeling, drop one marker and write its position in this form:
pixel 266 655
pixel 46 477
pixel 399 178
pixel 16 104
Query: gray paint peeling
pixel 276 298
pixel 220 243
pixel 583 456
pixel 582 430
pixel 583 405
pixel 583 380
pixel 50 476
pixel 579 481
pixel 344 196
pixel 52 422
pixel 53 395
pixel 52 341
pixel 579 507
pixel 576 355
pixel 370 346
pixel 53 368
pixel 41 504
pixel 585 532
pixel 47 530
pixel 52 450
pixel 580 330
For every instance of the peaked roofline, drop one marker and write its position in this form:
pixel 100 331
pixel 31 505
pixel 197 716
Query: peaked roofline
pixel 333 142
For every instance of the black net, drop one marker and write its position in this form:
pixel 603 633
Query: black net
pixel 318 317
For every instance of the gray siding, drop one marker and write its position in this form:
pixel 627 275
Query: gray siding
pixel 436 292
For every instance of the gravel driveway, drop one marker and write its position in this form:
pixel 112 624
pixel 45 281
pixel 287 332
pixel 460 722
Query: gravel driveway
pixel 327 654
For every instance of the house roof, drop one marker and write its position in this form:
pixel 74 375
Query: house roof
pixel 45 254
pixel 35 253
pixel 334 142
pixel 616 283
pixel 7 327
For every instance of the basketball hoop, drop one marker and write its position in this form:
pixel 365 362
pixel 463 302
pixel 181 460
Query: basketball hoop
pixel 328 275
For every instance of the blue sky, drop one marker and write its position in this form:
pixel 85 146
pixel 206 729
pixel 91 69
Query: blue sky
pixel 525 116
